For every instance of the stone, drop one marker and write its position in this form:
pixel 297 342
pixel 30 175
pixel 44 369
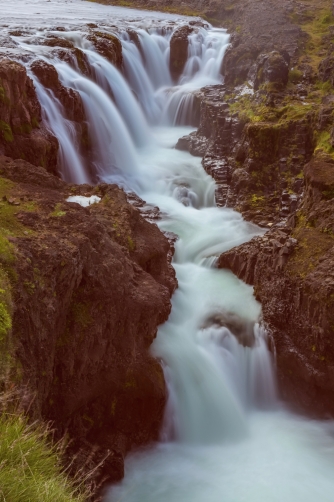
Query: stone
pixel 179 50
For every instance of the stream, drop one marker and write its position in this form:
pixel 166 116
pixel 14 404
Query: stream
pixel 226 436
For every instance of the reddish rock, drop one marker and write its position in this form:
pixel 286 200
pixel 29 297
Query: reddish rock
pixel 69 98
pixel 292 272
pixel 95 283
pixel 21 132
pixel 179 50
pixel 109 46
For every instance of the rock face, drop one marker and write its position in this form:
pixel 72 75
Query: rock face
pixel 179 50
pixel 21 135
pixel 87 307
pixel 292 273
pixel 69 98
pixel 271 69
pixel 108 46
pixel 257 165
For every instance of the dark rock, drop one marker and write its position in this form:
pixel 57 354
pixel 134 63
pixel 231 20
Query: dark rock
pixel 87 308
pixel 108 45
pixel 21 132
pixel 70 99
pixel 179 50
pixel 292 277
pixel 272 69
pixel 326 70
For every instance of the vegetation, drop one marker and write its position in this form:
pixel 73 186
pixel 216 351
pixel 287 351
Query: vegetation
pixel 6 131
pixel 58 211
pixel 30 468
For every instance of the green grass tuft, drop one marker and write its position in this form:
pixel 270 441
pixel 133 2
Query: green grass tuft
pixel 29 466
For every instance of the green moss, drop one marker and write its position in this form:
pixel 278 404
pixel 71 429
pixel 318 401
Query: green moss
pixel 81 314
pixel 6 132
pixel 29 287
pixel 323 143
pixel 312 244
pixel 131 244
pixel 295 76
pixel 2 94
pixel 34 122
pixel 58 211
pixel 257 201
pixel 23 129
pixel 5 321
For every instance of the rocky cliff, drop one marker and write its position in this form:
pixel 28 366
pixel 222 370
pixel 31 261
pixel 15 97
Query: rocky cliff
pixel 89 287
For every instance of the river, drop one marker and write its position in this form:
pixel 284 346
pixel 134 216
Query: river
pixel 226 436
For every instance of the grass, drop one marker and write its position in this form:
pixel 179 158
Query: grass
pixel 30 466
pixel 323 143
pixel 184 10
pixel 316 25
pixel 58 211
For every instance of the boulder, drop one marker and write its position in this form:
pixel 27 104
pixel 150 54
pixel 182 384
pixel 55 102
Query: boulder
pixel 95 284
pixel 271 69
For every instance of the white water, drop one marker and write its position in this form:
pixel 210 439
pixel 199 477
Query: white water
pixel 226 437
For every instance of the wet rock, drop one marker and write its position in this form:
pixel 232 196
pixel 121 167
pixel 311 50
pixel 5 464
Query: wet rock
pixel 7 42
pixel 58 42
pixel 108 45
pixel 70 99
pixel 21 132
pixel 179 50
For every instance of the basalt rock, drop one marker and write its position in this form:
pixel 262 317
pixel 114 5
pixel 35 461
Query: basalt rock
pixel 326 70
pixel 69 98
pixel 179 50
pixel 251 161
pixel 291 269
pixel 21 132
pixel 270 69
pixel 108 45
pixel 87 307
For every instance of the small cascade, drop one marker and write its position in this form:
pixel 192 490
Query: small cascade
pixel 112 82
pixel 72 165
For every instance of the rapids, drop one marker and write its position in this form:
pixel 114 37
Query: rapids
pixel 226 436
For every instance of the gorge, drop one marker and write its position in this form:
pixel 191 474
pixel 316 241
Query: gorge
pixel 128 140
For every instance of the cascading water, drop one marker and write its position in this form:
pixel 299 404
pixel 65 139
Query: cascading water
pixel 225 438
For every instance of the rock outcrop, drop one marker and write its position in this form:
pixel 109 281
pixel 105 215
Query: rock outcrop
pixel 108 46
pixel 94 284
pixel 291 269
pixel 21 133
pixel 179 50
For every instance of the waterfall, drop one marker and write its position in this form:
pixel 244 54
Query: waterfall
pixel 226 437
